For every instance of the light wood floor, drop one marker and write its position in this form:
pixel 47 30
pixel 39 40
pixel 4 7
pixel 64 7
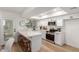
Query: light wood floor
pixel 48 47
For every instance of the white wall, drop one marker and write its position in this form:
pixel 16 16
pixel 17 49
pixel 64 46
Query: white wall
pixel 11 16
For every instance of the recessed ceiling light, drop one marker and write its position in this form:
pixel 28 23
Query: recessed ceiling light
pixel 35 17
pixel 56 9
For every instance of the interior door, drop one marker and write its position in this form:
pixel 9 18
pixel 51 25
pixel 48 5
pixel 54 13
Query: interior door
pixel 8 29
pixel 72 32
pixel 1 32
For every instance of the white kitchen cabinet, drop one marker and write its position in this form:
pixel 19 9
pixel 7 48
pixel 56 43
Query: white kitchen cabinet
pixel 36 42
pixel 59 38
pixel 43 34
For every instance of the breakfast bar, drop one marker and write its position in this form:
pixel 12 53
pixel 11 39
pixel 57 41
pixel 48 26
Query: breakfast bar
pixel 34 36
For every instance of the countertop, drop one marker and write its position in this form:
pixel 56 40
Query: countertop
pixel 29 33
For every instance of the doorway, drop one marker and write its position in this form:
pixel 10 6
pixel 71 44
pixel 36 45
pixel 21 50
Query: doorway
pixel 8 29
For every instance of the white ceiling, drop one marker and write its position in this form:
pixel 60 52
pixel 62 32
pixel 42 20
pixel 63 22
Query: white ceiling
pixel 33 11
pixel 26 11
pixel 13 9
pixel 71 9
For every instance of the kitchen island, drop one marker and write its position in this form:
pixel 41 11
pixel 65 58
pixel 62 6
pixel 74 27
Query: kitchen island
pixel 34 36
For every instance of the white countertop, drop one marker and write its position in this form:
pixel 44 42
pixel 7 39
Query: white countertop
pixel 29 33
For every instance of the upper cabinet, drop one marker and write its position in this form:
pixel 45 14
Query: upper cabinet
pixel 59 22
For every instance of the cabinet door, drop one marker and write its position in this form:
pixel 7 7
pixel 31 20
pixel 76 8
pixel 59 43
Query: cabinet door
pixel 36 42
pixel 44 34
pixel 59 38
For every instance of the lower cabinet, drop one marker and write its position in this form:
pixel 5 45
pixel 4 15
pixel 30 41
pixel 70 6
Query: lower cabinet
pixel 59 38
pixel 24 43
